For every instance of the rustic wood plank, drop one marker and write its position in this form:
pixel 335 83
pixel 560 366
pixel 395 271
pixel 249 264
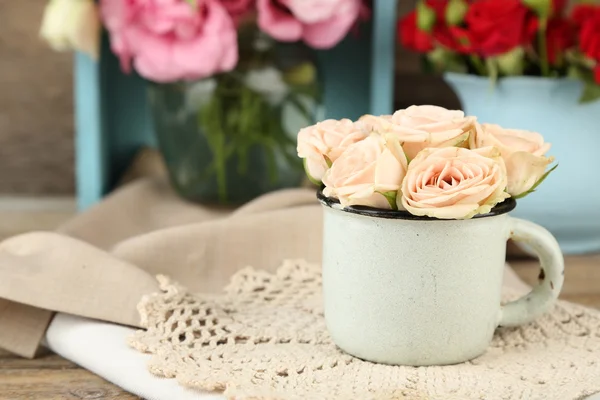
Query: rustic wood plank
pixel 589 300
pixel 52 361
pixel 582 275
pixel 52 377
pixel 56 384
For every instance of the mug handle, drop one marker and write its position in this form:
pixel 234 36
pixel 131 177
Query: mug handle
pixel 542 296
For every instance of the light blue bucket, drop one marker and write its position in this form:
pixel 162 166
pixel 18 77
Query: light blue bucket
pixel 568 202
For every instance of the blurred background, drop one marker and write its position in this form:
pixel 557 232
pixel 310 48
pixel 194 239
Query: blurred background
pixel 78 122
pixel 36 107
pixel 414 44
pixel 36 102
pixel 37 185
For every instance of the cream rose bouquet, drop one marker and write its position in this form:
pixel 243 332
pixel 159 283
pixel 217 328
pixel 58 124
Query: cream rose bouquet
pixel 426 160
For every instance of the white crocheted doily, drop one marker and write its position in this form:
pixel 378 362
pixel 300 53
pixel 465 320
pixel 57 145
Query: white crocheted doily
pixel 265 338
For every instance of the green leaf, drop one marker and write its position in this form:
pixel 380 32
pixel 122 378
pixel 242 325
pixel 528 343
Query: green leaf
pixel 425 17
pixel 541 7
pixel 574 72
pixel 443 60
pixel 455 11
pixel 520 196
pixel 271 164
pixel 591 92
pixel 295 100
pixel 512 62
pixel 478 64
pixel 301 75
pixel 391 198
pixel 579 59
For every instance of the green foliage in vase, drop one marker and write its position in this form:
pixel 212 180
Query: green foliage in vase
pixel 237 118
pixel 242 115
pixel 232 136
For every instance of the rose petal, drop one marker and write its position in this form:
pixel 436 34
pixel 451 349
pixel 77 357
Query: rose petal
pixel 524 170
pixel 451 212
pixel 365 168
pixel 277 23
pixel 454 182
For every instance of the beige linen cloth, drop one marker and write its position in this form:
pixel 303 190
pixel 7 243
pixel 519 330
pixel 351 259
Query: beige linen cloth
pixel 101 263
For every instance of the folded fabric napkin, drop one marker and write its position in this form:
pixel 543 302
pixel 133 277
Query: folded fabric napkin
pixel 101 263
pixel 101 347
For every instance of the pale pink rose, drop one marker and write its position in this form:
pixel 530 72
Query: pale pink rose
pixel 524 153
pixel 320 23
pixel 419 127
pixel 321 144
pixel 377 124
pixel 367 171
pixel 454 183
pixel 171 40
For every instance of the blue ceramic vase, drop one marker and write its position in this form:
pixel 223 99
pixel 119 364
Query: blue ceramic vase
pixel 568 202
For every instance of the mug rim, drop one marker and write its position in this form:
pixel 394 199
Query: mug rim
pixel 501 208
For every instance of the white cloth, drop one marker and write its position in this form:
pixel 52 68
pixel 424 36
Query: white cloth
pixel 101 348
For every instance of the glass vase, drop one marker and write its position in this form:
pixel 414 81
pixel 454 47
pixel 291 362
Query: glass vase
pixel 231 137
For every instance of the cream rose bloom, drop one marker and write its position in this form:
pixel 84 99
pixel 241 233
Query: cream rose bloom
pixel 72 25
pixel 321 144
pixel 523 153
pixel 454 183
pixel 419 127
pixel 368 173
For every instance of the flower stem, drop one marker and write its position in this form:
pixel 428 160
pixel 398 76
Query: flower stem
pixel 543 48
pixel 221 160
pixel 478 64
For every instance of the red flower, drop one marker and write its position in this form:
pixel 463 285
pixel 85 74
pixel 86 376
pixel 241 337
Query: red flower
pixel 583 12
pixel 454 38
pixel 439 6
pixel 558 6
pixel 498 26
pixel 597 74
pixel 589 37
pixel 412 37
pixel 560 35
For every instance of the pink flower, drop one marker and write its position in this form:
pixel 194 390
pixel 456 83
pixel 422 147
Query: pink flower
pixel 419 127
pixel 454 183
pixel 320 23
pixel 368 173
pixel 323 143
pixel 524 153
pixel 170 40
pixel 238 8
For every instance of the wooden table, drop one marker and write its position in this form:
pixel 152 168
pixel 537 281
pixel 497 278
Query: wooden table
pixel 52 377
